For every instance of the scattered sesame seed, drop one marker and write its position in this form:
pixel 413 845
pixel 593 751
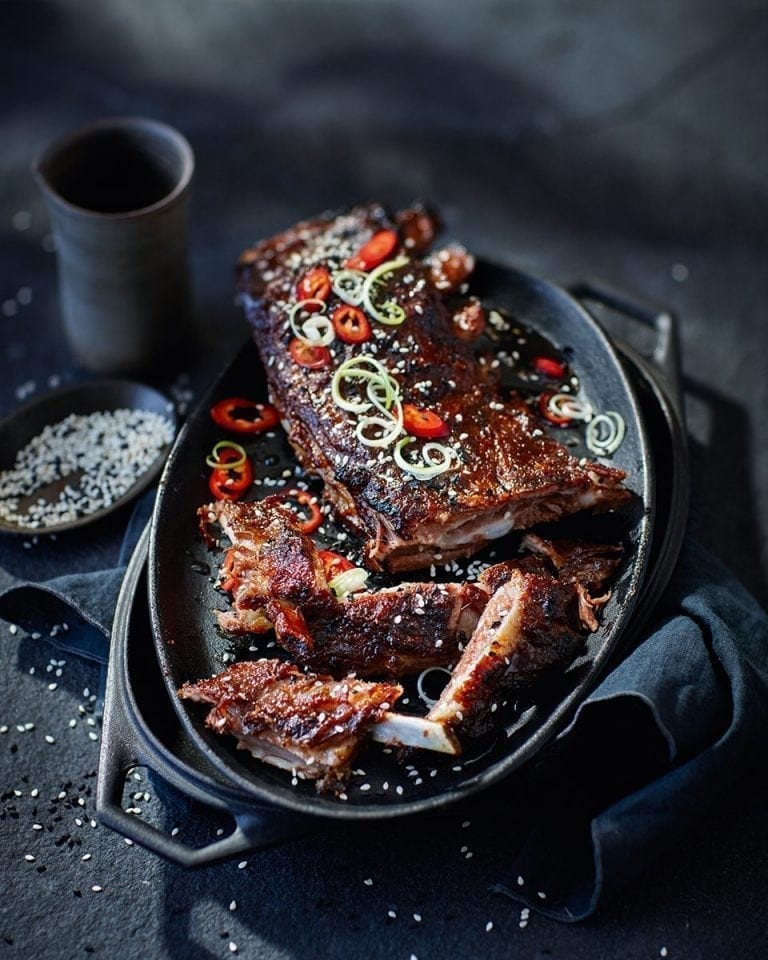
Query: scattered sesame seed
pixel 242 865
pixel 49 738
pixel 663 952
pixel 86 856
pixel 22 220
pixel 489 926
pixel 96 888
pixel 368 882
pixel 392 914
pixel 233 905
pixel 29 858
pixel 520 881
pixel 232 946
pixel 541 895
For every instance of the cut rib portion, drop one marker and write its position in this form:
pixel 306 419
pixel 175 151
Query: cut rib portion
pixel 276 580
pixel 270 569
pixel 306 723
pixel 398 631
pixel 507 474
pixel 309 724
pixel 534 620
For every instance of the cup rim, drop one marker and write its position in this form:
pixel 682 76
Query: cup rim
pixel 116 123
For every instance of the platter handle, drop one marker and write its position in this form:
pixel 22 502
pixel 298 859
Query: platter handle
pixel 665 356
pixel 253 830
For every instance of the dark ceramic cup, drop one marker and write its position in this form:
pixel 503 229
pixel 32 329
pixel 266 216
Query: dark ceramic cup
pixel 117 193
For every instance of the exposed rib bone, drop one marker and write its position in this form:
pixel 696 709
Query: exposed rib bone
pixel 402 730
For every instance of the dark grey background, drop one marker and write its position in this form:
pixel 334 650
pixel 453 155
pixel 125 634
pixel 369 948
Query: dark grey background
pixel 622 140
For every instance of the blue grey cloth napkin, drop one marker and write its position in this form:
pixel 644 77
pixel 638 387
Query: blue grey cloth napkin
pixel 683 714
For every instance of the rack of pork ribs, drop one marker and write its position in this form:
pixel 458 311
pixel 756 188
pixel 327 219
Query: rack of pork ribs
pixel 518 619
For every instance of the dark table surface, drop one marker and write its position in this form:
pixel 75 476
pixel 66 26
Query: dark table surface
pixel 626 141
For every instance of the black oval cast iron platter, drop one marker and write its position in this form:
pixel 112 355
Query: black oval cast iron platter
pixel 182 573
pixel 141 727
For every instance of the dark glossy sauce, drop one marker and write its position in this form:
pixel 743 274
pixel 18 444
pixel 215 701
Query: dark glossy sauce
pixel 517 346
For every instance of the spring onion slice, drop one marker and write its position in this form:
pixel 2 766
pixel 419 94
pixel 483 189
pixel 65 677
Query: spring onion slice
pixel 389 313
pixel 391 427
pixel 571 408
pixel 316 329
pixel 213 461
pixel 350 581
pixel 348 286
pixel 605 433
pixel 378 377
pixel 437 459
pixel 420 683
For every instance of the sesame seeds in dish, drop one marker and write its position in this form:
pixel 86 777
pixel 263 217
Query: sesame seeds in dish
pixel 80 466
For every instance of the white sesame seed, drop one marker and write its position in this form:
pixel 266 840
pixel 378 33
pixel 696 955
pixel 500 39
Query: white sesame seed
pixel 29 858
pixel 96 888
pixel 232 946
pixel 392 914
pixel 22 220
pixel 233 905
pixel 49 738
pixel 242 865
pixel 541 895
pixel 663 952
pixel 520 881
pixel 368 882
pixel 489 926
pixel 86 856
pixel 37 826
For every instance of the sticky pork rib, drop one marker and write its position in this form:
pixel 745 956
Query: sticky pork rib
pixel 309 724
pixel 508 474
pixel 276 581
pixel 539 611
pixel 302 722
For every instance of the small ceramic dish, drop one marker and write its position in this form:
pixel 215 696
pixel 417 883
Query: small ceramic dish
pixel 80 399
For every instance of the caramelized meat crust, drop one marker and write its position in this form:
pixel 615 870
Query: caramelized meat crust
pixel 311 724
pixel 507 474
pixel 535 619
pixel 276 580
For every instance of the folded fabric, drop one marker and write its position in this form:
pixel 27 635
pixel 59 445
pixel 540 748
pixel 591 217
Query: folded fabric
pixel 680 718
pixel 664 732
pixel 74 612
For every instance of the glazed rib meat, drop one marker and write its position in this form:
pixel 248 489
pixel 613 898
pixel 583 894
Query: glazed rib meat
pixel 306 723
pixel 505 472
pixel 270 567
pixel 276 581
pixel 396 632
pixel 537 616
